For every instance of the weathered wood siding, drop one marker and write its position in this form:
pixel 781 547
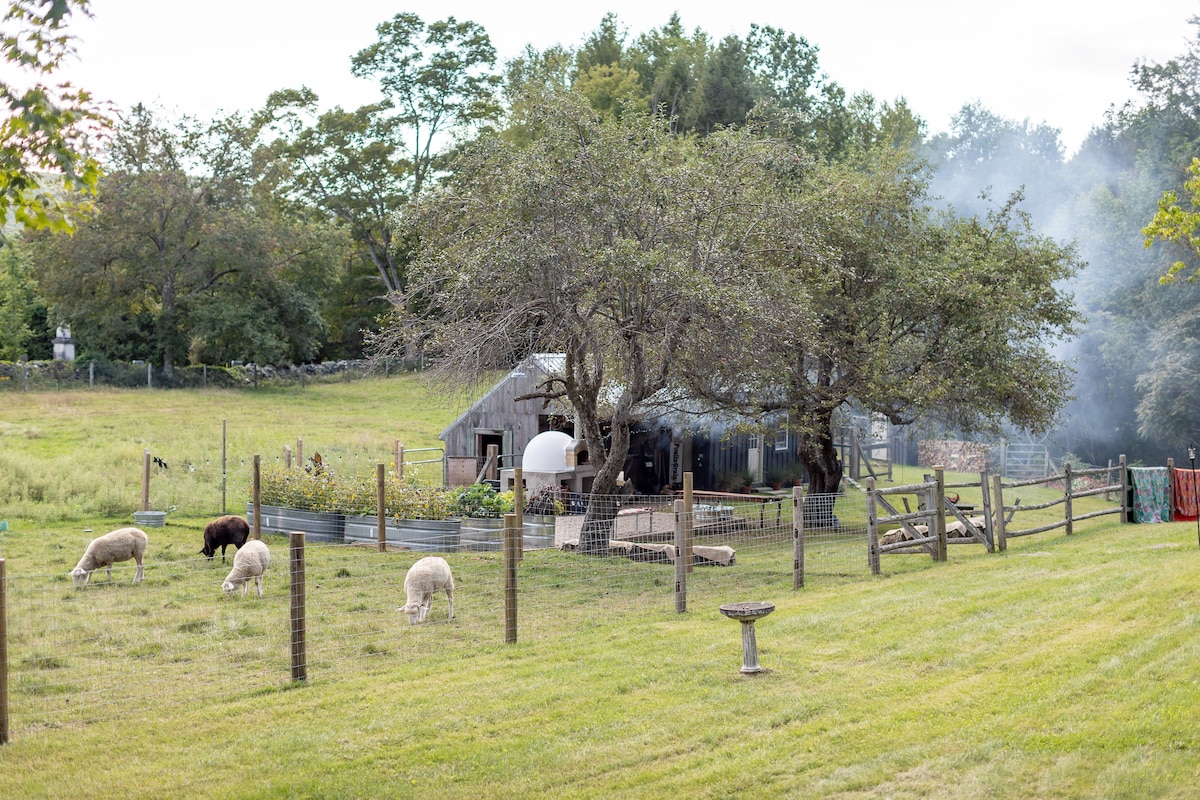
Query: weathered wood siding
pixel 499 411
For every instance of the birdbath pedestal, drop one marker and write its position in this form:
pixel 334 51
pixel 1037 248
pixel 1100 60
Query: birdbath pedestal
pixel 748 614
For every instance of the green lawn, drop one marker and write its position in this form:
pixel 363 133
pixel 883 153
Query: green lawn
pixel 1062 668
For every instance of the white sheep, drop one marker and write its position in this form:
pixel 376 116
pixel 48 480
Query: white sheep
pixel 426 577
pixel 250 561
pixel 119 545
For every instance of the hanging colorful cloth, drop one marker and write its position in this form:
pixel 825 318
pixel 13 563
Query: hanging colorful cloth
pixel 1150 501
pixel 1187 494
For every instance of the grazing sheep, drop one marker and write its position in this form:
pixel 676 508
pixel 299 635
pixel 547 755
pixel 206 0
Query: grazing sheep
pixel 227 530
pixel 250 561
pixel 119 545
pixel 429 575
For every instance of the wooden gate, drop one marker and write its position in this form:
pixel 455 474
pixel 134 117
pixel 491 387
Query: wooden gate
pixel 923 529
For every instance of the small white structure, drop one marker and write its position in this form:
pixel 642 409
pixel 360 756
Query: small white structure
pixel 552 459
pixel 64 345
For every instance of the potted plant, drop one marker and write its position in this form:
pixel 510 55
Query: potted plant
pixel 778 476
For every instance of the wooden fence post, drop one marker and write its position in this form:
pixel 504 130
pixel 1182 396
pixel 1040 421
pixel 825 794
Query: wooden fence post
pixel 381 506
pixel 689 523
pixel 299 627
pixel 1124 488
pixel 287 457
pixel 224 466
pixel 989 528
pixel 1171 489
pixel 146 480
pixel 511 532
pixel 872 527
pixel 519 509
pixel 998 511
pixel 399 460
pixel 939 509
pixel 256 497
pixel 680 556
pixel 3 653
pixel 797 537
pixel 1067 495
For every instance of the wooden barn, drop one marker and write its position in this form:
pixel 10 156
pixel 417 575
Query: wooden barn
pixel 660 451
pixel 498 419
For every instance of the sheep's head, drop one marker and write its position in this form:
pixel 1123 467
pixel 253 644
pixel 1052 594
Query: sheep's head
pixel 229 587
pixel 80 576
pixel 415 611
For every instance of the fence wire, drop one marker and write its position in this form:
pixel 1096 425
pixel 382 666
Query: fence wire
pixel 123 650
pixel 110 649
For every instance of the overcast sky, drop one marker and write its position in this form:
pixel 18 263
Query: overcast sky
pixel 1055 61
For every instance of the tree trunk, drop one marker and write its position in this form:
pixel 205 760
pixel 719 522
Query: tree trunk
pixel 820 459
pixel 166 335
pixel 602 508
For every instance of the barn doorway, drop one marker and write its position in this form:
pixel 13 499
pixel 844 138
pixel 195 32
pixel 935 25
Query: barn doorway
pixel 486 438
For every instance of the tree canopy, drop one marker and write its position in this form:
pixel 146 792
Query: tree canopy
pixel 606 239
pixel 437 84
pixel 176 223
pixel 1178 224
pixel 736 270
pixel 913 316
pixel 48 133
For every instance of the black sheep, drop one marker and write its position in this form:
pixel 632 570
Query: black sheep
pixel 227 530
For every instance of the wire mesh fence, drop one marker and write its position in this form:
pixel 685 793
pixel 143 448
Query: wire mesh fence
pixel 82 375
pixel 207 479
pixel 119 649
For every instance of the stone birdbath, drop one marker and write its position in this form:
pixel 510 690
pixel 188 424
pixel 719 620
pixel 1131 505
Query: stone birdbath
pixel 748 614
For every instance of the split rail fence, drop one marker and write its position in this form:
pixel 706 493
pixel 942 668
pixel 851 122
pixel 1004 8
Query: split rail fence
pixel 927 530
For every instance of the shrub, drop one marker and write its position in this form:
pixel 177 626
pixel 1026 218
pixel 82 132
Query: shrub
pixel 323 490
pixel 481 500
pixel 308 491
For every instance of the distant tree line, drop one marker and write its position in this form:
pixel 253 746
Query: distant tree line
pixel 976 276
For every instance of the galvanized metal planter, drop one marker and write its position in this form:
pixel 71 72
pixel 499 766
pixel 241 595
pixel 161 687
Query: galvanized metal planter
pixel 482 534
pixel 428 535
pixel 318 526
pixel 487 534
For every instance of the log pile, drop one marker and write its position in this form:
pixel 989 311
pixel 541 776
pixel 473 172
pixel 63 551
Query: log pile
pixel 952 455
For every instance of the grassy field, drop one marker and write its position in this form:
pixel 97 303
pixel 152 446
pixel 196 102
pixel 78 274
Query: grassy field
pixel 78 455
pixel 1062 668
